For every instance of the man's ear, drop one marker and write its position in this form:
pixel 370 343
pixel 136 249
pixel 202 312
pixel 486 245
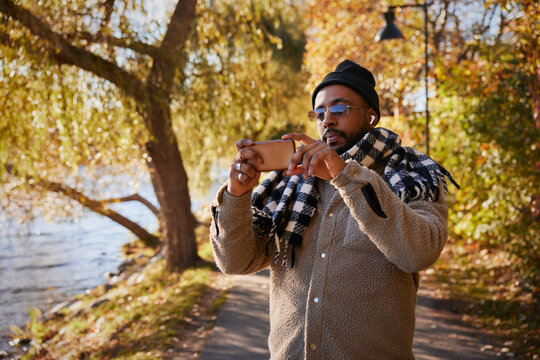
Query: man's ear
pixel 373 120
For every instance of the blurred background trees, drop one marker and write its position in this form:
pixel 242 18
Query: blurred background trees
pixel 495 86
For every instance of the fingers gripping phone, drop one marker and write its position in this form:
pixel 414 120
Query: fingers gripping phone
pixel 275 154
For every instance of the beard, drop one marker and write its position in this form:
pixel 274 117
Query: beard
pixel 350 141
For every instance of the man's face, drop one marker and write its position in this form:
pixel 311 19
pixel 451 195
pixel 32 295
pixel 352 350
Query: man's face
pixel 342 132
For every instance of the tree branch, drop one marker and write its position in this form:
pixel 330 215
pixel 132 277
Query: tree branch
pixel 134 197
pixel 136 46
pixel 65 53
pixel 148 204
pixel 100 208
pixel 171 49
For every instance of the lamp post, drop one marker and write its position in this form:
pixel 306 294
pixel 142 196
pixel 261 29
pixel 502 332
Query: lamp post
pixel 390 31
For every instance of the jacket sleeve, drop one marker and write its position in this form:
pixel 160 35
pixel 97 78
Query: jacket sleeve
pixel 410 235
pixel 237 248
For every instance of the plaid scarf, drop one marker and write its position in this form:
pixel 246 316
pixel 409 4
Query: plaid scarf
pixel 284 205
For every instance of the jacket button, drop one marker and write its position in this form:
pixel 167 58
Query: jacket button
pixel 313 347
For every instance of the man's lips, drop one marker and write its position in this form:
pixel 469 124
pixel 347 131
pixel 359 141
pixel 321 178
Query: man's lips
pixel 332 136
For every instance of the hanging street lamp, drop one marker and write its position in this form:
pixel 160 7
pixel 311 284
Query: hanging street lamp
pixel 391 31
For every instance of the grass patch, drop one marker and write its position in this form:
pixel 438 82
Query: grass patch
pixel 490 295
pixel 134 322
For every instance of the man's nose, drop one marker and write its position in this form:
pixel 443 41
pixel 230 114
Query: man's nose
pixel 328 119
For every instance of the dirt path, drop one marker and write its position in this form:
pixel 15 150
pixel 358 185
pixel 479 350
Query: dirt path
pixel 242 328
pixel 441 334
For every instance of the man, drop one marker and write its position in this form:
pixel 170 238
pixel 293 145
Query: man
pixel 344 231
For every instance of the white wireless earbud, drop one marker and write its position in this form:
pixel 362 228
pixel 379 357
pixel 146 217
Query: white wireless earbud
pixel 372 119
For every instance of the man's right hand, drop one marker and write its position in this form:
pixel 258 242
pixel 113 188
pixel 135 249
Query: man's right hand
pixel 243 176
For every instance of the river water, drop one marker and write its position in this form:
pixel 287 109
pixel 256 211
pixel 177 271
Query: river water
pixel 42 264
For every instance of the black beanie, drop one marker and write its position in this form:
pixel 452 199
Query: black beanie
pixel 355 77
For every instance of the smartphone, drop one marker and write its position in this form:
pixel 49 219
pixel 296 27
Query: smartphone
pixel 275 154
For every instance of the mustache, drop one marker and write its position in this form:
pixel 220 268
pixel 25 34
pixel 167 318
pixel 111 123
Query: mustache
pixel 330 132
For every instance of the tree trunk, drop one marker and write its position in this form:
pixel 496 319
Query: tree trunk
pixel 172 192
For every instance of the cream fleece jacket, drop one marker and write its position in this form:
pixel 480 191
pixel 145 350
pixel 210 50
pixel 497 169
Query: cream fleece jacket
pixel 352 291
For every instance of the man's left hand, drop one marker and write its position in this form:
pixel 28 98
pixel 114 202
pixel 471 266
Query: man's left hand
pixel 315 158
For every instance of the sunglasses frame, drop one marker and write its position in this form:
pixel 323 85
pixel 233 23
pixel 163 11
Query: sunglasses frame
pixel 320 113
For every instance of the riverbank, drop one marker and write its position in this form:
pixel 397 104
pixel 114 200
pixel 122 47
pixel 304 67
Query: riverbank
pixel 142 311
pixel 44 263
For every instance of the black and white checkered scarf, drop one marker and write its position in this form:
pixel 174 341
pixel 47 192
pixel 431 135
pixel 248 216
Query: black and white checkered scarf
pixel 285 204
